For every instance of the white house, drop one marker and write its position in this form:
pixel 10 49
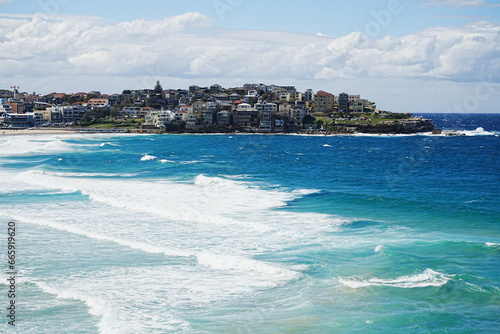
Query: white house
pixel 130 111
pixel 181 115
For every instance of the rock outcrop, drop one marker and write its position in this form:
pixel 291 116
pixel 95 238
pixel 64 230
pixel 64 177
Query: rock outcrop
pixel 406 126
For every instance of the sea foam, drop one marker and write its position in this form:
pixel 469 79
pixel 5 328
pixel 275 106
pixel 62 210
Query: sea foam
pixel 147 157
pixel 426 279
pixel 275 273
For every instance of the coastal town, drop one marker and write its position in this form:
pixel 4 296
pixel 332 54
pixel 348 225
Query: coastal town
pixel 252 108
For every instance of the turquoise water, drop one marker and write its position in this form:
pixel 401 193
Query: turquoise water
pixel 255 233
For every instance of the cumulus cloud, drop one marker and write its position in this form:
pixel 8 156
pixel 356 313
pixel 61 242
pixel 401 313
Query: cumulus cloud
pixel 189 47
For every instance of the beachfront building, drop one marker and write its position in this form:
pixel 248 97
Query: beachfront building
pixel 266 111
pixel 210 112
pixel 324 102
pixel 158 118
pixel 192 120
pixel 246 116
pixel 66 114
pixel 27 120
pixel 74 113
pixel 298 113
pixel 224 117
pixel 52 115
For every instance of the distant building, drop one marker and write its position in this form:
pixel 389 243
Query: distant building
pixel 17 107
pixel 198 107
pixel 130 111
pixel 343 102
pixel 266 111
pixel 66 114
pixel 324 102
pixel 308 95
pixel 210 113
pixel 362 105
pixel 194 88
pixel 98 103
pixel 158 118
pixel 245 116
pixel 295 96
pixel 216 88
pixel 353 98
pixel 285 109
pixel 26 120
pixel 224 117
pixel 4 107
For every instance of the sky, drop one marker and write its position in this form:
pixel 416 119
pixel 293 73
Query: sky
pixel 406 55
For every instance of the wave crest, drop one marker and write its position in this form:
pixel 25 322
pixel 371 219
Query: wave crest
pixel 428 278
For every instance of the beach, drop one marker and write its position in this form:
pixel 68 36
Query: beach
pixel 35 131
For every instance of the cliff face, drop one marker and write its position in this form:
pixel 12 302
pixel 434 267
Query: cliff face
pixel 407 126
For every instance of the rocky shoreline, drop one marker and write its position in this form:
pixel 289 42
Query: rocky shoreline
pixel 405 126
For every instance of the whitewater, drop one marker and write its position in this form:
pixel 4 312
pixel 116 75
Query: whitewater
pixel 255 234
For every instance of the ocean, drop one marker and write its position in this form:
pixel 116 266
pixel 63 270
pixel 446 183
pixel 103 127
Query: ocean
pixel 253 233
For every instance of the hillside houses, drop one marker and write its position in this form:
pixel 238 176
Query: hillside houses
pixel 252 107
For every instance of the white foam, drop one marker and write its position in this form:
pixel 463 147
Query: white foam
pixel 492 244
pixel 326 145
pixel 25 145
pixel 203 180
pixel 147 157
pixel 96 305
pixel 470 133
pixel 116 300
pixel 428 278
pixel 226 262
pixel 69 174
pixel 213 200
pixel 102 237
pixel 379 248
pixel 109 144
pixel 216 261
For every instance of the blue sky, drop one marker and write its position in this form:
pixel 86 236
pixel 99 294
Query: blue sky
pixel 400 53
pixel 332 18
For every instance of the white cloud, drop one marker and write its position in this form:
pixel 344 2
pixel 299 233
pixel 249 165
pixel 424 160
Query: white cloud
pixel 460 3
pixel 5 1
pixel 83 54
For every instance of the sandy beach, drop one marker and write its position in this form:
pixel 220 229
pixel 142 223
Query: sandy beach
pixel 35 131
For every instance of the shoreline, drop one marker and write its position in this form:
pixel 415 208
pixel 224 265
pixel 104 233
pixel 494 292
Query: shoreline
pixel 41 132
pixel 62 131
pixel 35 131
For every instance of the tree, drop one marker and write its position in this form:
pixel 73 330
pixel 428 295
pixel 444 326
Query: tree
pixel 158 90
pixel 309 119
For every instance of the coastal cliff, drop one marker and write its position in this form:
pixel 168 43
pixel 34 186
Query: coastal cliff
pixel 404 126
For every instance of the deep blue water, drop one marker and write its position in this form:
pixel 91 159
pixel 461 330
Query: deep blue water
pixel 256 233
